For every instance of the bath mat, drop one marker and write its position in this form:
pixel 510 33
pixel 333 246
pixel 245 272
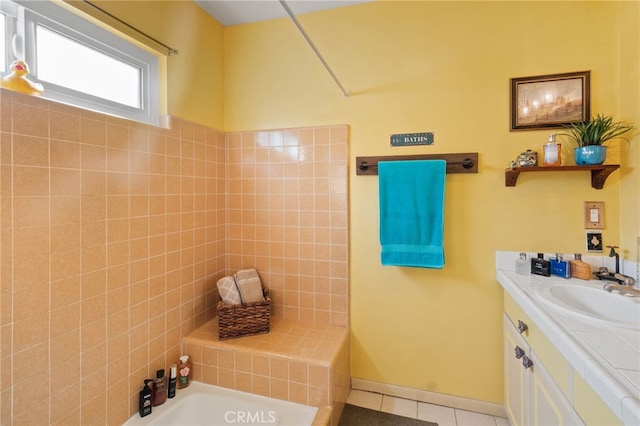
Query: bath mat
pixel 353 415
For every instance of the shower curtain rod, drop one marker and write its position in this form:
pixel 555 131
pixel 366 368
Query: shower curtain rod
pixel 170 49
pixel 345 92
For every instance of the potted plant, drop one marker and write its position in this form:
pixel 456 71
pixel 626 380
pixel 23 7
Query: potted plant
pixel 591 135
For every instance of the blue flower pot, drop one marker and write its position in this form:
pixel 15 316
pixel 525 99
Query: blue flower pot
pixel 590 155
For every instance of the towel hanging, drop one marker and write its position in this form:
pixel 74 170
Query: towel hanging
pixel 411 198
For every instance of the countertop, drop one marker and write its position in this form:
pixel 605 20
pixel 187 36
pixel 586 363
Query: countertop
pixel 606 356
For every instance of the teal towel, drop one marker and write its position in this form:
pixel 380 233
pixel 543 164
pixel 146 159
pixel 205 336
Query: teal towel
pixel 412 212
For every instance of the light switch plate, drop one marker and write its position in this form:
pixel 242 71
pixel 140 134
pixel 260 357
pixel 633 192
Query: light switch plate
pixel 594 241
pixel 593 215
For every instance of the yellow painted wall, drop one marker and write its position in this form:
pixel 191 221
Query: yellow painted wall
pixel 630 106
pixel 442 67
pixel 195 85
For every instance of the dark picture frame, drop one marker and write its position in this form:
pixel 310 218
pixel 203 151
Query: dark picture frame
pixel 550 101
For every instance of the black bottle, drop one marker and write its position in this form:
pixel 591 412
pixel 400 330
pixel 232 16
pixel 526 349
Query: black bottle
pixel 145 398
pixel 173 381
pixel 540 266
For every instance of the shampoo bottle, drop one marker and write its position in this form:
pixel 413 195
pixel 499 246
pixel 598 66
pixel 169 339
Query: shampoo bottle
pixel 159 388
pixel 144 404
pixel 579 268
pixel 184 370
pixel 173 381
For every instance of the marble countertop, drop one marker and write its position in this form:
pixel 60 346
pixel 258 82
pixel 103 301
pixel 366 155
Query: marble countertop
pixel 606 356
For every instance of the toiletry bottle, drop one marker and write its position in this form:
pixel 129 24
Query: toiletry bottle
pixel 551 152
pixel 580 269
pixel 540 266
pixel 184 370
pixel 159 388
pixel 173 381
pixel 559 267
pixel 523 267
pixel 144 404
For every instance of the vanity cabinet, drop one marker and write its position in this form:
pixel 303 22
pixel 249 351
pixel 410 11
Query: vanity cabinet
pixel 531 395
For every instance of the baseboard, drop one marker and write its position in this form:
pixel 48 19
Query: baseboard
pixel 430 397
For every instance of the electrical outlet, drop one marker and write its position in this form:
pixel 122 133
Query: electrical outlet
pixel 594 241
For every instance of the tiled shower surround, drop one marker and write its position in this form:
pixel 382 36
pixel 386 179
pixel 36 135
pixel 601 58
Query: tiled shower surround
pixel 113 235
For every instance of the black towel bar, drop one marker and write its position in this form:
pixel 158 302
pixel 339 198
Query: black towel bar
pixel 456 163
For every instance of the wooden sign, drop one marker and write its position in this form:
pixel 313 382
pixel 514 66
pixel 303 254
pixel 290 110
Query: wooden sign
pixel 409 139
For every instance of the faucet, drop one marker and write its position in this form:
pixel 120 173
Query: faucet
pixel 604 274
pixel 624 290
pixel 613 253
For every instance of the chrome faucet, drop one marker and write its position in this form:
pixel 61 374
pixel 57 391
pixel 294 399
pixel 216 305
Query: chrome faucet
pixel 624 290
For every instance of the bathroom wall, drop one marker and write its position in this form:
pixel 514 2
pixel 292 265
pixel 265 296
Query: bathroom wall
pixel 112 237
pixel 287 215
pixel 442 67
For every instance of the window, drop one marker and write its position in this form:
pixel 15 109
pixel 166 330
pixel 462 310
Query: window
pixel 81 64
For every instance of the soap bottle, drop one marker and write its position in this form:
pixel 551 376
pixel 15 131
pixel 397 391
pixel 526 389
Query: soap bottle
pixel 551 152
pixel 579 268
pixel 184 370
pixel 173 381
pixel 144 403
pixel 540 266
pixel 523 267
pixel 159 388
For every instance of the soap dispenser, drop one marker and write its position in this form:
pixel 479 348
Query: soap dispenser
pixel 551 152
pixel 145 401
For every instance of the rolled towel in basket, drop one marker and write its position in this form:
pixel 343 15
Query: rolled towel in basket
pixel 229 291
pixel 249 285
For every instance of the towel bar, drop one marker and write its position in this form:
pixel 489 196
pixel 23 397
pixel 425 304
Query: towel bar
pixel 456 163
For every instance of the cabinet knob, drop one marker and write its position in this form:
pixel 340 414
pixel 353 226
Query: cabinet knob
pixel 526 362
pixel 519 352
pixel 522 327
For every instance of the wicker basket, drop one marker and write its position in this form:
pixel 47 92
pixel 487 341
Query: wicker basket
pixel 247 319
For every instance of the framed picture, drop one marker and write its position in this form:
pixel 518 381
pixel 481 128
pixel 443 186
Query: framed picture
pixel 550 101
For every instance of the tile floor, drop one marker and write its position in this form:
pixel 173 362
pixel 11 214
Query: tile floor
pixel 444 416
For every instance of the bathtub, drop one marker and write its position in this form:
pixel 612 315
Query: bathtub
pixel 202 404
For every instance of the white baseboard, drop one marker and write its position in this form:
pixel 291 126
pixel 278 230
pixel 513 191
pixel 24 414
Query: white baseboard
pixel 430 397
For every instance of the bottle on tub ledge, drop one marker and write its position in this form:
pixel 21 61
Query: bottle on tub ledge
pixel 173 381
pixel 184 371
pixel 159 388
pixel 146 399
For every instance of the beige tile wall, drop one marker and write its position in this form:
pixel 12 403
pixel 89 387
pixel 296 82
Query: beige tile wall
pixel 287 213
pixel 112 238
pixel 112 235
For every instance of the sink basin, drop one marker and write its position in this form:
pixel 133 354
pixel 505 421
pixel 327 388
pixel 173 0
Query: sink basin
pixel 593 303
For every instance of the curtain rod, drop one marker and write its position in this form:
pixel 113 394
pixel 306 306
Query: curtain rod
pixel 170 50
pixel 313 47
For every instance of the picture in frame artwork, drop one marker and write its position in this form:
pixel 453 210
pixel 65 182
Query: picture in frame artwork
pixel 550 101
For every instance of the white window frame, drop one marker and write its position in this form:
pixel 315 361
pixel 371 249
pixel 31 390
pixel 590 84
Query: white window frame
pixel 53 17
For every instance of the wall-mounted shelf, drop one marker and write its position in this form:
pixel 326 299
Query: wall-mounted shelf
pixel 599 174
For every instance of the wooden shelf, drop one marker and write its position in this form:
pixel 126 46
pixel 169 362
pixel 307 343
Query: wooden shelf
pixel 599 174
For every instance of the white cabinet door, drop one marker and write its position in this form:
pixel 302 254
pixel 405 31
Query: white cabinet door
pixel 531 396
pixel 548 404
pixel 516 378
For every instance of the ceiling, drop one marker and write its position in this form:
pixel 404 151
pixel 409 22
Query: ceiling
pixel 234 12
